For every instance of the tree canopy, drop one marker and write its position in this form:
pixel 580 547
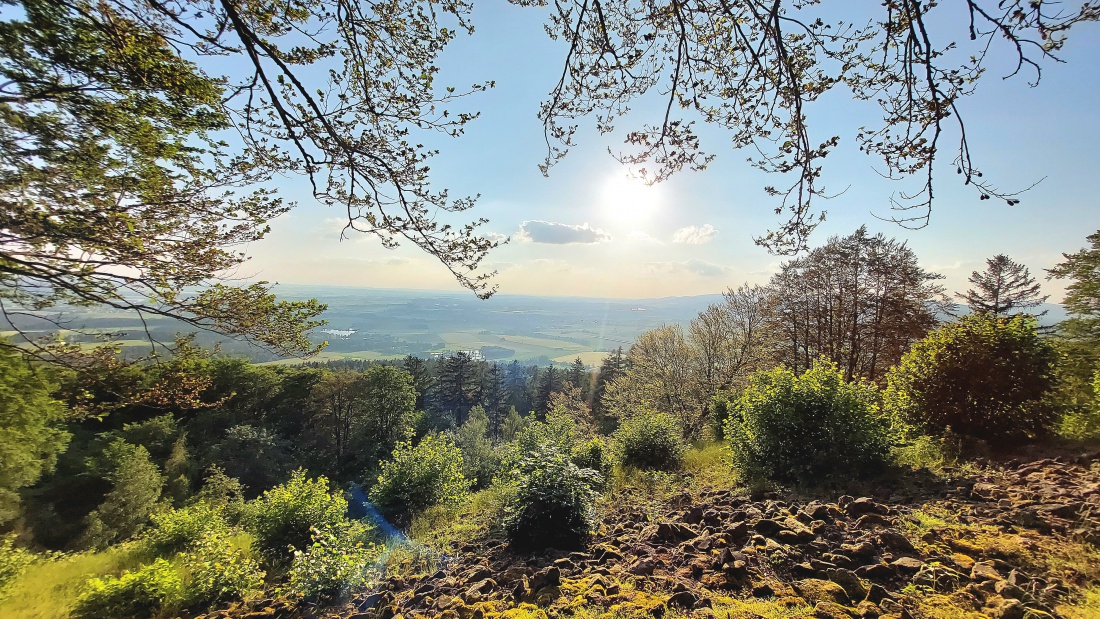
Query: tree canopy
pixel 755 68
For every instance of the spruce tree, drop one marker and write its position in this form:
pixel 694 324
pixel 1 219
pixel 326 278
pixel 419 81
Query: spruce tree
pixel 1003 289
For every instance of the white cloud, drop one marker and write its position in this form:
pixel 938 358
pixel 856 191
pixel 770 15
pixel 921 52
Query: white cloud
pixel 560 234
pixel 697 267
pixel 695 235
pixel 638 235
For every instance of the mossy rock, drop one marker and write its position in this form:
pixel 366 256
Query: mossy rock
pixel 815 590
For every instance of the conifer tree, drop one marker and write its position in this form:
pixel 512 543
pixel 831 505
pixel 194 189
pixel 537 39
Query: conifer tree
pixel 1004 288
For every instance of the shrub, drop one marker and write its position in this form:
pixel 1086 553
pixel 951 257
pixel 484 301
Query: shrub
pixel 336 562
pixel 180 529
pixel 13 561
pixel 220 572
pixel 559 432
pixel 595 455
pixel 983 377
pixel 650 440
pixel 419 477
pixel 553 502
pixel 283 516
pixel 799 429
pixel 134 595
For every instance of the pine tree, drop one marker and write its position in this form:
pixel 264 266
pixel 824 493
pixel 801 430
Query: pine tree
pixel 612 367
pixel 549 382
pixel 494 398
pixel 422 378
pixel 1004 288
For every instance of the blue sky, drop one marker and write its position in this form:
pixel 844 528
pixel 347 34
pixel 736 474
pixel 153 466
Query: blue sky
pixel 693 234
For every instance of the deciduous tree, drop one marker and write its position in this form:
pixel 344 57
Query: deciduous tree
pixel 859 301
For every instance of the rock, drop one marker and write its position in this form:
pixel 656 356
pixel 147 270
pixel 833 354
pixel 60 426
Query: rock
pixel 549 577
pixel 608 555
pixel 892 539
pixel 851 583
pixel 984 570
pixel 907 565
pixel 642 567
pixel 877 593
pixel 369 602
pixel 869 521
pixel 683 599
pixel 985 491
pixel 937 577
pixel 865 505
pixel 831 610
pixel 768 527
pixel 673 532
pixel 1000 608
pixel 1068 511
pixel 868 610
pixel 815 590
pixel 862 550
pixel 1008 590
pixel 693 515
pixel 738 531
pixel 876 571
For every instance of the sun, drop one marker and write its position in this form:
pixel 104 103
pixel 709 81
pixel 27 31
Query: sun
pixel 624 199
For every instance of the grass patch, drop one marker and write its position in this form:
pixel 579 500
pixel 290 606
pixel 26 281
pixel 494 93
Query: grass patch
pixel 708 465
pixel 443 528
pixel 1087 606
pixel 48 588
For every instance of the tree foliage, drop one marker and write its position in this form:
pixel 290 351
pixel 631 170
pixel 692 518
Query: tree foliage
pixel 136 487
pixel 984 377
pixel 31 436
pixel 1003 289
pixel 859 301
pixel 756 68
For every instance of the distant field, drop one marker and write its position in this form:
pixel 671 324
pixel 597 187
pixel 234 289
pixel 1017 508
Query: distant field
pixel 588 358
pixel 543 342
pixel 359 355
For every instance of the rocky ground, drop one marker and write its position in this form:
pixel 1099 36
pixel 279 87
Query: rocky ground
pixel 1010 541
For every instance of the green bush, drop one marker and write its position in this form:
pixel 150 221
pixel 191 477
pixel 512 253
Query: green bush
pixel 650 440
pixel 559 431
pixel 337 562
pixel 594 454
pixel 134 595
pixel 283 517
pixel 983 377
pixel 418 477
pixel 13 561
pixel 220 572
pixel 553 502
pixel 179 529
pixel 799 429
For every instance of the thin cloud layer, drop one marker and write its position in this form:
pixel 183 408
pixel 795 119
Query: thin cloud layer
pixel 695 235
pixel 560 234
pixel 701 268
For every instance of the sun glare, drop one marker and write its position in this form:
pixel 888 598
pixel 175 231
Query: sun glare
pixel 627 200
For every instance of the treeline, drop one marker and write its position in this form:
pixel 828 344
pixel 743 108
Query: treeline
pixel 125 441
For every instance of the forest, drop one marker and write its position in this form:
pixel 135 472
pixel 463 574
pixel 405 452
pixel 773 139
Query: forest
pixel 204 481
